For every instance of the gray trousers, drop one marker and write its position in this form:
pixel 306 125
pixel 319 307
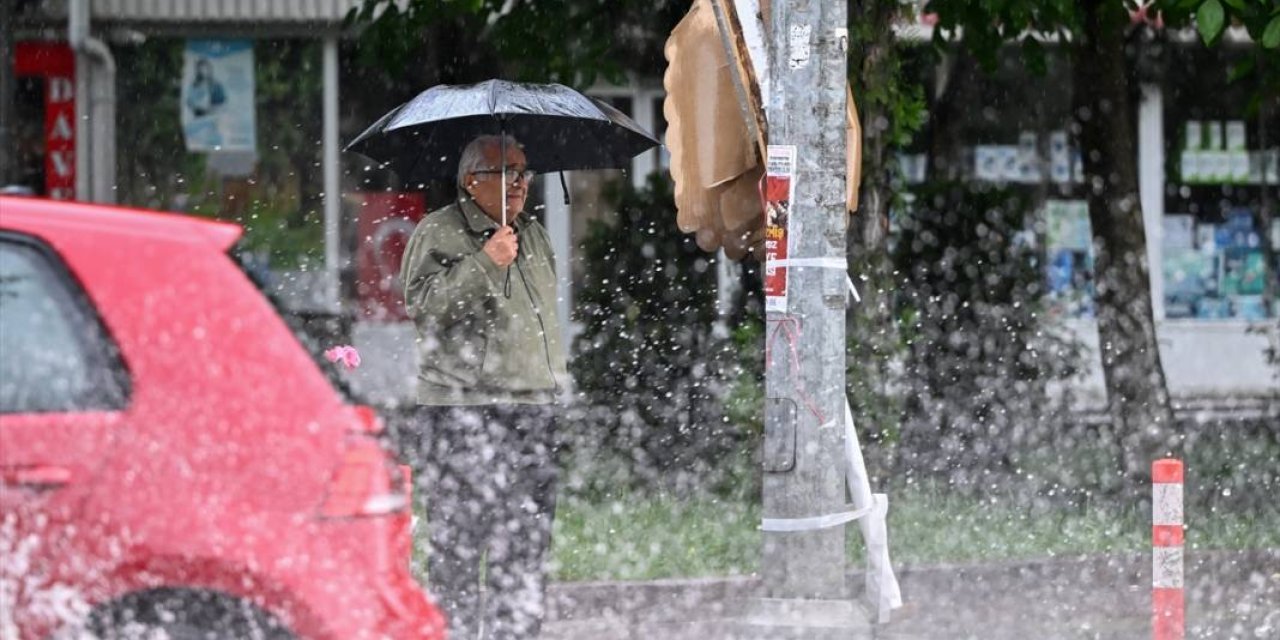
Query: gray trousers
pixel 486 476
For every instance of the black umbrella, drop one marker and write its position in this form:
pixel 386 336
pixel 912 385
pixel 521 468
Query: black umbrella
pixel 561 129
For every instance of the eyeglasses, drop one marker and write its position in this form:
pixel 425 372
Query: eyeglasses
pixel 510 174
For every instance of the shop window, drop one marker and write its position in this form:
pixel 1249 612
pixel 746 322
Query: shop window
pixel 1222 169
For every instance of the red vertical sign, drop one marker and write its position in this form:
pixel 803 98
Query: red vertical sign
pixel 60 137
pixel 779 190
pixel 56 63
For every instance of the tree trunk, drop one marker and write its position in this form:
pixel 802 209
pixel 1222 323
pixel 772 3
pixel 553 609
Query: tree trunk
pixel 1141 417
pixel 873 63
pixel 871 331
pixel 947 157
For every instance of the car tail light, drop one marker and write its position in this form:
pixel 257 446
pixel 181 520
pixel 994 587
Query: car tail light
pixel 369 420
pixel 367 482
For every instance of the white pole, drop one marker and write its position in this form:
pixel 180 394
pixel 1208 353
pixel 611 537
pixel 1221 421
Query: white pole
pixel 332 183
pixel 642 166
pixel 1151 188
pixel 559 228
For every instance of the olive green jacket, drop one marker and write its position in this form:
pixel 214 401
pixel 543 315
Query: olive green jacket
pixel 482 340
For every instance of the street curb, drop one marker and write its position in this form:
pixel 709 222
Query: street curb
pixel 705 598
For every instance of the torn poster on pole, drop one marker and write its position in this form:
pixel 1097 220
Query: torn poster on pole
pixel 779 192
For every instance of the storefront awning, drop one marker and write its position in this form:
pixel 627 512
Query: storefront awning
pixel 264 18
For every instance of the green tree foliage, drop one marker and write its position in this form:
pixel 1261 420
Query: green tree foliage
pixel 153 167
pixel 575 42
pixel 652 373
pixel 280 204
pixel 1211 18
pixel 1260 19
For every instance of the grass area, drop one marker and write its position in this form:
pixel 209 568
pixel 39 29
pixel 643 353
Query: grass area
pixel 640 538
pixel 649 537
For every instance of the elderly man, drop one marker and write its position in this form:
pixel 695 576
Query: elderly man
pixel 483 298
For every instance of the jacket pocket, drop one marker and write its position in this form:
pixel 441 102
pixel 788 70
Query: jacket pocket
pixel 459 355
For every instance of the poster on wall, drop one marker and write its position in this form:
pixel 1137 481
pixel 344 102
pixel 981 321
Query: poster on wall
pixel 779 193
pixel 217 98
pixel 1069 258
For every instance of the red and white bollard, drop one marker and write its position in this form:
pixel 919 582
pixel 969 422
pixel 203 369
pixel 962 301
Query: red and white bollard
pixel 1167 600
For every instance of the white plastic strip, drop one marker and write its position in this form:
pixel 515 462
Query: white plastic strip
pixel 1166 567
pixel 852 289
pixel 882 585
pixel 812 523
pixel 823 263
pixel 1166 503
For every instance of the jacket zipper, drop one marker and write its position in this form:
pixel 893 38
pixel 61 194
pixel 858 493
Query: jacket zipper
pixel 537 312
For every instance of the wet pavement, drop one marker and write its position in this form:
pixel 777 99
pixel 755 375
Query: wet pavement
pixel 1229 594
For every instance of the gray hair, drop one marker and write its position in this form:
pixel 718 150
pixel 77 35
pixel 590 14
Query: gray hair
pixel 472 158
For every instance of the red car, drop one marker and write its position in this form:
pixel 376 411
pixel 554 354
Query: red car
pixel 171 456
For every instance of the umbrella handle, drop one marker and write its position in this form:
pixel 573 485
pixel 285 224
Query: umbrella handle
pixel 502 175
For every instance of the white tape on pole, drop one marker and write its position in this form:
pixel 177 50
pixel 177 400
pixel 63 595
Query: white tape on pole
pixel 812 523
pixel 821 263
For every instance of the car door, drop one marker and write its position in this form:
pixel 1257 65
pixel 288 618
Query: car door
pixel 62 388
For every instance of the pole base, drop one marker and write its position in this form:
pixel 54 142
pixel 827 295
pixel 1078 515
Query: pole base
pixel 787 619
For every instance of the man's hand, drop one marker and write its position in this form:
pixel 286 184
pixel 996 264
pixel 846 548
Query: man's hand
pixel 502 246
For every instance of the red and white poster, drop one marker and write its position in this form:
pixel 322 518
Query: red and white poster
pixel 779 191
pixel 383 227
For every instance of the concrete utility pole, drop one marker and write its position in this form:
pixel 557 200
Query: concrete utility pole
pixel 804 415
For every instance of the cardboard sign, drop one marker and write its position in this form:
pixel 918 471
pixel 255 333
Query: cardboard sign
pixel 779 193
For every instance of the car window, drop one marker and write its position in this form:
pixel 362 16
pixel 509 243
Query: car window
pixel 56 356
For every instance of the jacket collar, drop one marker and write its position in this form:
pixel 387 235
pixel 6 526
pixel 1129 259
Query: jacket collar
pixel 478 221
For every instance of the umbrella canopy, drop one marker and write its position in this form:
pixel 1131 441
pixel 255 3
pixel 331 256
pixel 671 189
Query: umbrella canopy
pixel 560 128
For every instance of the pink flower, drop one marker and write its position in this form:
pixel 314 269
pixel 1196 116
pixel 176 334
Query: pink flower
pixel 347 355
pixel 1141 15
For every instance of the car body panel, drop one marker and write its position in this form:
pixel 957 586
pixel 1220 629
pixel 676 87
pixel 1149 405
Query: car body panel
pixel 212 474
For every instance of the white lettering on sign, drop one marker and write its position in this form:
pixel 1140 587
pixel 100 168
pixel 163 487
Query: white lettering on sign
pixel 61 129
pixel 63 164
pixel 798 46
pixel 61 89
